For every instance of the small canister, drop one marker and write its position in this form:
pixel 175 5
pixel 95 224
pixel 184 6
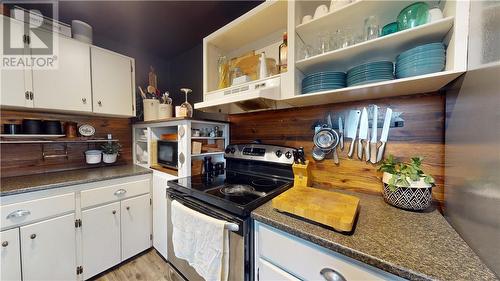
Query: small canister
pixel 70 129
pixel 164 111
pixel 150 109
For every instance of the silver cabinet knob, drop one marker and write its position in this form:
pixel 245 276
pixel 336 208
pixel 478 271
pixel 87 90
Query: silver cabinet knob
pixel 331 275
pixel 128 208
pixel 5 243
pixel 27 95
pixel 114 212
pixel 31 95
pixel 84 100
pixel 99 103
pixel 33 236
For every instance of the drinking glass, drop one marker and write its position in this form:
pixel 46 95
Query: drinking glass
pixel 323 42
pixel 371 28
pixel 337 39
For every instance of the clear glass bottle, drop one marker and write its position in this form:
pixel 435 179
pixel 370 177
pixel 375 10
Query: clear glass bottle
pixel 283 54
pixel 223 69
pixel 186 107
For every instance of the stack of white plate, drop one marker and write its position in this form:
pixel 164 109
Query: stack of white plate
pixel 421 60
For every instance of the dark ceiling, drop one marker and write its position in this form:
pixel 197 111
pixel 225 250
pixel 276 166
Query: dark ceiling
pixel 161 28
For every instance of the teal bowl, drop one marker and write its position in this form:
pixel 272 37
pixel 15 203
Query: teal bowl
pixel 412 16
pixel 390 28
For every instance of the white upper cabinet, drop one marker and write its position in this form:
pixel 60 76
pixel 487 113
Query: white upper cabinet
pixel 68 87
pixel 16 83
pixel 112 83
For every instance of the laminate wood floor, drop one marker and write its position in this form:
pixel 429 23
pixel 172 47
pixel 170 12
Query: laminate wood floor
pixel 148 266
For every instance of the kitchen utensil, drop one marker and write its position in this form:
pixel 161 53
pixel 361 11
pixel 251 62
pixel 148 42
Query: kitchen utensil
pixel 295 157
pixel 151 90
pixel 326 139
pixel 329 208
pixel 372 149
pixel 70 129
pixel 363 132
pixel 318 154
pixel 321 10
pixel 352 128
pixel 341 133
pixel 389 28
pixel 32 126
pixel 306 19
pixel 86 130
pixel 371 28
pixel 435 14
pixel 413 15
pixel 12 129
pixel 51 127
pixel 301 155
pixel 143 95
pixel 93 156
pixel 384 134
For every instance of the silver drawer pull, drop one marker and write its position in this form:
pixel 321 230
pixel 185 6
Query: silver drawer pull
pixel 18 214
pixel 120 192
pixel 331 275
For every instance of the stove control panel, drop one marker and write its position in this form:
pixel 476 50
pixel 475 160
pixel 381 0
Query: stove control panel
pixel 260 152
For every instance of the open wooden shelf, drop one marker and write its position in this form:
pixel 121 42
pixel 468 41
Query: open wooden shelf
pixel 207 154
pixel 208 138
pixel 382 48
pixel 5 140
pixel 398 87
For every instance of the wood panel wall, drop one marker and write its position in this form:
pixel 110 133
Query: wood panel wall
pixel 422 134
pixel 26 159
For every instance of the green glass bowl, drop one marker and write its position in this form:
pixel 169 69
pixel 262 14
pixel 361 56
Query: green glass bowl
pixel 390 28
pixel 412 16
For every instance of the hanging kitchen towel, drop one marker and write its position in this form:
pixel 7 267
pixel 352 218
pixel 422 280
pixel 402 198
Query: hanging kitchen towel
pixel 202 241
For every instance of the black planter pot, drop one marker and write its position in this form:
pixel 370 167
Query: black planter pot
pixel 32 126
pixel 52 127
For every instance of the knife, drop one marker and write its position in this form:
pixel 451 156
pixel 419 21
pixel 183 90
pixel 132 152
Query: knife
pixel 363 132
pixel 352 128
pixel 341 133
pixel 385 133
pixel 372 149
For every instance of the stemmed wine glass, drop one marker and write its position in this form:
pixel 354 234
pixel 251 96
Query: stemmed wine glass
pixel 186 105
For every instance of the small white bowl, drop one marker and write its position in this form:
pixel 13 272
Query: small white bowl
pixel 306 19
pixel 321 10
pixel 93 156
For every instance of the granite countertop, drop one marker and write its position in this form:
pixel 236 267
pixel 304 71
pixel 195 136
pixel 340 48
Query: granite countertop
pixel 22 184
pixel 416 246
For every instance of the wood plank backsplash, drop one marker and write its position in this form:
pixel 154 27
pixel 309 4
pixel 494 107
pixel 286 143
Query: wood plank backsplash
pixel 26 159
pixel 422 134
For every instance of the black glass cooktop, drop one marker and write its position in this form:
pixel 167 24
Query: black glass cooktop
pixel 235 192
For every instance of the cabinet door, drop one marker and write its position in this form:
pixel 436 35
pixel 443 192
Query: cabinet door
pixel 112 91
pixel 48 249
pixel 269 272
pixel 15 82
pixel 160 211
pixel 10 267
pixel 68 86
pixel 136 225
pixel 100 238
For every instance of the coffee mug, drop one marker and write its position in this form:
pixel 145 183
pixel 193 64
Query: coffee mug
pixel 435 14
pixel 306 19
pixel 321 10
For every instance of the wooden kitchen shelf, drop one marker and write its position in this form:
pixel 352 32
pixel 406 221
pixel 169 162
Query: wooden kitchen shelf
pixel 19 141
pixel 208 138
pixel 382 48
pixel 398 87
pixel 207 154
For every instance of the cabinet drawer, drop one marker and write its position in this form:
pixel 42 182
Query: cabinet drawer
pixel 29 211
pixel 308 260
pixel 111 193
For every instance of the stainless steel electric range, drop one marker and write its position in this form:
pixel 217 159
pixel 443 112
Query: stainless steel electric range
pixel 254 174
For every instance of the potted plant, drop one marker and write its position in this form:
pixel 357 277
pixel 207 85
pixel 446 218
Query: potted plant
pixel 110 151
pixel 406 185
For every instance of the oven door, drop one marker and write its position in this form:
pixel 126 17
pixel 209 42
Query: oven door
pixel 237 240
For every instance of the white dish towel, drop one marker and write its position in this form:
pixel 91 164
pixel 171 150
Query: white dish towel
pixel 202 241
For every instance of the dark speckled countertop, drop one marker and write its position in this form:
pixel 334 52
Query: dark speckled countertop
pixel 22 184
pixel 416 246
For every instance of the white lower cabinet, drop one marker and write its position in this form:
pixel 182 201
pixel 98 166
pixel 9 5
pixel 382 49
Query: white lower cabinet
pixel 100 239
pixel 48 249
pixel 135 225
pixel 10 266
pixel 308 261
pixel 160 211
pixel 269 272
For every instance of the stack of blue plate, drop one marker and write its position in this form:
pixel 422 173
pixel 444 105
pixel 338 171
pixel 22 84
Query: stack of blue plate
pixel 322 81
pixel 421 60
pixel 370 73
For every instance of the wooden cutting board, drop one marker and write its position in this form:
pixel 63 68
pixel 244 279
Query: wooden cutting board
pixel 332 209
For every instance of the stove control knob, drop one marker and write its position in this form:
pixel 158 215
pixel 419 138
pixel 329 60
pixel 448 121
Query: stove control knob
pixel 288 155
pixel 278 153
pixel 233 150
